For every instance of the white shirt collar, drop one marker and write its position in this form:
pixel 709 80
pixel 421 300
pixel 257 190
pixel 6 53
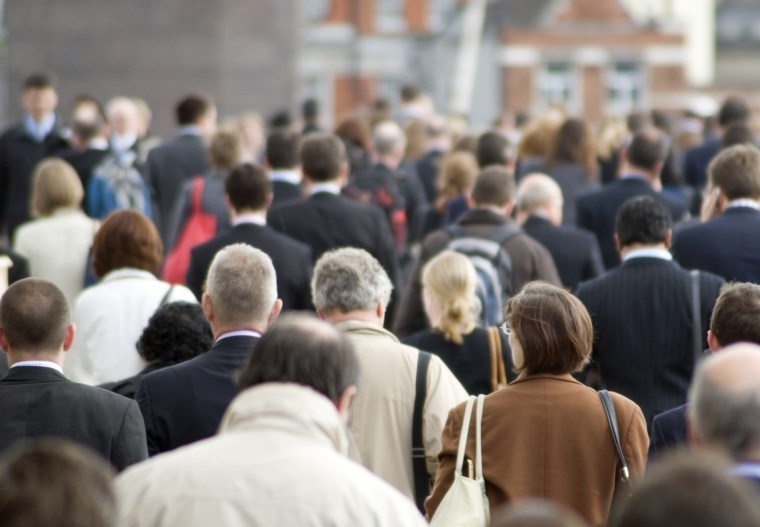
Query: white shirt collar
pixel 662 254
pixel 189 129
pixel 288 176
pixel 743 202
pixel 249 218
pixel 39 129
pixel 746 469
pixel 239 333
pixel 39 364
pixel 330 188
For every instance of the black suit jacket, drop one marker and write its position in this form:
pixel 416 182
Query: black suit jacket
pixel 575 251
pixel 696 160
pixel 186 402
pixel 168 167
pixel 283 191
pixel 596 211
pixel 291 260
pixel 642 319
pixel 728 245
pixel 39 402
pixel 327 221
pixel 668 430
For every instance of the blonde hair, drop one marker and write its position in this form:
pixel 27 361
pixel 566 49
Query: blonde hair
pixel 450 280
pixel 55 185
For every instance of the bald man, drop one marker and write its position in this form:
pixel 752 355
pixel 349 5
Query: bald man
pixel 575 251
pixel 725 407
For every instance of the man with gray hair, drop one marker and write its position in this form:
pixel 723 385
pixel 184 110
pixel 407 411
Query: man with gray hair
pixel 185 402
pixel 725 407
pixel 575 251
pixel 351 291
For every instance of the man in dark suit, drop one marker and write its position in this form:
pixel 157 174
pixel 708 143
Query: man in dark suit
pixel 735 318
pixel 186 402
pixel 37 400
pixel 438 143
pixel 493 200
pixel 642 163
pixel 728 244
pixel 23 145
pixel 725 408
pixel 177 160
pixel 642 312
pixel 733 110
pixel 282 163
pixel 575 251
pixel 248 196
pixel 326 220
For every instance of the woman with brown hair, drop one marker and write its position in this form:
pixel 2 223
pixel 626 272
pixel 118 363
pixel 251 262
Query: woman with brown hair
pixel 111 315
pixel 56 243
pixel 546 435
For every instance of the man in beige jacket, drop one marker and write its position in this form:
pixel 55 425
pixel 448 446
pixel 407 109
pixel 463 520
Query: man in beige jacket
pixel 351 290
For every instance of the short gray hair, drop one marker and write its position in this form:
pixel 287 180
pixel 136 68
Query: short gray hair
pixel 388 137
pixel 348 280
pixel 725 407
pixel 535 191
pixel 242 285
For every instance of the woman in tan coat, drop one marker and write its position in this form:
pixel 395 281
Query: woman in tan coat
pixel 546 435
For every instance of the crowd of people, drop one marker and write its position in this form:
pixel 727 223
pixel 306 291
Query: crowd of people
pixel 269 323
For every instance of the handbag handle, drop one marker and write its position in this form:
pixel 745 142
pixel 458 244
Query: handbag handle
pixel 478 451
pixel 197 192
pixel 463 433
pixel 463 436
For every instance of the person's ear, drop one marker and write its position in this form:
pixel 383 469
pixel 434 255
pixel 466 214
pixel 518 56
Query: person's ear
pixel 208 307
pixel 712 341
pixel 692 438
pixel 618 246
pixel 3 341
pixel 668 238
pixel 344 402
pixel 276 309
pixel 68 337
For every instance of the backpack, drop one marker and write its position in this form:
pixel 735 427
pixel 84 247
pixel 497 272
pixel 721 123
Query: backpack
pixel 117 184
pixel 493 267
pixel 381 189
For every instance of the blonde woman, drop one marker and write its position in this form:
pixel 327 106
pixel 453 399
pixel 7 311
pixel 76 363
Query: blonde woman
pixel 58 241
pixel 449 282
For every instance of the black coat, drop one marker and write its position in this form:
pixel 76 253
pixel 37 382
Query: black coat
pixel 575 251
pixel 39 401
pixel 728 245
pixel 186 402
pixel 669 430
pixel 283 191
pixel 596 211
pixel 642 320
pixel 291 260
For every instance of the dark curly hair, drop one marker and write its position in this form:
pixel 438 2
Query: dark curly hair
pixel 177 331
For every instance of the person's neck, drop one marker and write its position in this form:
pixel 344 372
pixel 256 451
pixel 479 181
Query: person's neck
pixel 501 211
pixel 23 356
pixel 219 330
pixel 389 161
pixel 546 214
pixel 631 171
pixel 624 251
pixel 359 315
pixel 38 118
pixel 237 214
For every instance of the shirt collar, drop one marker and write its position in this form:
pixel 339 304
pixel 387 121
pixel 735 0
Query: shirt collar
pixel 635 175
pixel 662 254
pixel 189 129
pixel 39 129
pixel 286 175
pixel 743 202
pixel 249 218
pixel 746 469
pixel 239 333
pixel 330 188
pixel 39 364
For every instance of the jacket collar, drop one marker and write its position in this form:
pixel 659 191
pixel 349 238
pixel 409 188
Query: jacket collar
pixel 537 221
pixel 565 377
pixel 482 216
pixel 358 326
pixel 287 407
pixel 33 373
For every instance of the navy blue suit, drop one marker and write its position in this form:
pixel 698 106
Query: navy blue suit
pixel 669 430
pixel 597 211
pixel 186 402
pixel 696 160
pixel 728 245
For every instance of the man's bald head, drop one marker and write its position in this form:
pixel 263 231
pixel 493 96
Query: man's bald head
pixel 725 397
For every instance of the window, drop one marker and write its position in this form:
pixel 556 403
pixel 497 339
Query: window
pixel 441 13
pixel 557 85
pixel 391 17
pixel 624 87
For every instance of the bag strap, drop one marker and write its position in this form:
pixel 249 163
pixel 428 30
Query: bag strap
pixel 696 316
pixel 609 411
pixel 463 437
pixel 498 371
pixel 504 232
pixel 419 463
pixel 166 296
pixel 197 193
pixel 478 449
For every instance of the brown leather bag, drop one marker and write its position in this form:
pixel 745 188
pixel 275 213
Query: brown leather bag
pixel 498 373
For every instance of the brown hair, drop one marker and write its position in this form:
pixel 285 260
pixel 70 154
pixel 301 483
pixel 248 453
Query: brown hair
pixel 736 315
pixel 354 130
pixel 248 187
pixel 574 143
pixel 494 185
pixel 126 239
pixel 552 326
pixel 457 174
pixel 55 184
pixel 537 138
pixel 736 172
pixel 226 149
pixel 34 315
pixel 322 156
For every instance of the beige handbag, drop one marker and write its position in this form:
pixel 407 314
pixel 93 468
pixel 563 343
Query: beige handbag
pixel 466 504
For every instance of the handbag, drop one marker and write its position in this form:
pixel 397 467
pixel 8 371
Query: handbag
pixel 498 373
pixel 465 503
pixel 199 228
